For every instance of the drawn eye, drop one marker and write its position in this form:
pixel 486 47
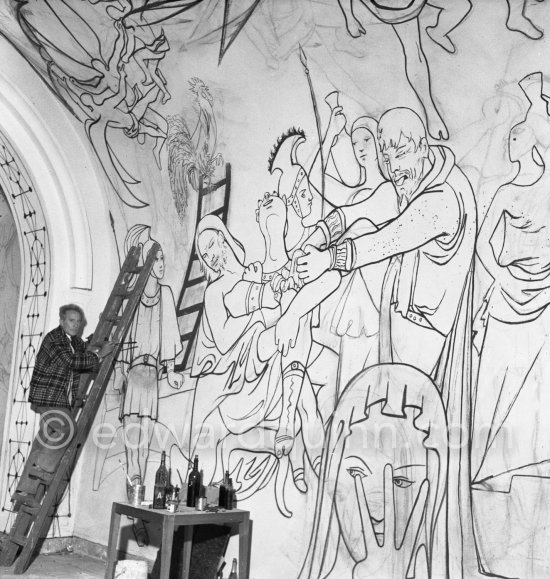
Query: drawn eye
pixel 402 482
pixel 356 471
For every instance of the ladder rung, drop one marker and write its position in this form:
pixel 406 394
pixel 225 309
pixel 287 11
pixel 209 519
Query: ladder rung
pixel 39 473
pixel 195 281
pixel 33 511
pixel 18 539
pixel 190 309
pixel 25 499
pixel 212 188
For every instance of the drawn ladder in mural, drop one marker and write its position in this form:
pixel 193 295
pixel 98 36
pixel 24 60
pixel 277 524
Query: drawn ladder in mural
pixel 213 199
pixel 48 468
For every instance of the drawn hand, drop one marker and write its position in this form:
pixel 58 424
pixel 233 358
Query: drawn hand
pixel 313 264
pixel 253 272
pixel 175 379
pixel 393 558
pixel 355 28
pixel 286 332
pixel 337 121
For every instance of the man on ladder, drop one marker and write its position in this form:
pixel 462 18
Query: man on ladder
pixel 61 359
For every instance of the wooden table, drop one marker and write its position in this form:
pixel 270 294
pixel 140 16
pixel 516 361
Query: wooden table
pixel 186 517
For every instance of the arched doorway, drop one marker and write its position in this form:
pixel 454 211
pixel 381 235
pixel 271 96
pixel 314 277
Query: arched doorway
pixel 28 316
pixel 10 283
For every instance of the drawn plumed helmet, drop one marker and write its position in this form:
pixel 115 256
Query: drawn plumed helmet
pixel 284 158
pixel 139 235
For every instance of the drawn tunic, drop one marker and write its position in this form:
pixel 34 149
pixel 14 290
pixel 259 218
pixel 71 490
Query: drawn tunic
pixel 154 340
pixel 512 390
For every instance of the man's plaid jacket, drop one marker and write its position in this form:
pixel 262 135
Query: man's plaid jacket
pixel 57 369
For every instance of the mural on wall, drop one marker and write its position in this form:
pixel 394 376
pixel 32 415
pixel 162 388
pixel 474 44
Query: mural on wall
pixel 359 333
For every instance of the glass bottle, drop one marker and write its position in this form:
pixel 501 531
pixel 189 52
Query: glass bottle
pixel 233 574
pixel 161 482
pixel 193 484
pixel 222 502
pixel 230 493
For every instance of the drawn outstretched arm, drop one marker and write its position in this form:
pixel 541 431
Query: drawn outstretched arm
pixel 379 208
pixel 226 330
pixel 308 298
pixel 428 217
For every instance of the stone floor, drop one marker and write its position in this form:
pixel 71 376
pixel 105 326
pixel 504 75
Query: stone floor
pixel 61 566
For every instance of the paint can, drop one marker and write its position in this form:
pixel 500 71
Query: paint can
pixel 138 495
pixel 201 504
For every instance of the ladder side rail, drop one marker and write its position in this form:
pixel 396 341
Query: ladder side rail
pixel 105 324
pixel 85 422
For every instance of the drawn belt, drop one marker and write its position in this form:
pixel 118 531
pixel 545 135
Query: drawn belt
pixel 145 360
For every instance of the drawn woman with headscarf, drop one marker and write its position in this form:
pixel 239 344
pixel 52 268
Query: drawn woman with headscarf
pixel 352 312
pixel 383 479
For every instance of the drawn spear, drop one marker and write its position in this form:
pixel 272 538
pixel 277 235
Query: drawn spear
pixel 303 60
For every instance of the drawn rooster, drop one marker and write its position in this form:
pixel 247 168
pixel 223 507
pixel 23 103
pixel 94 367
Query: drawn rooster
pixel 192 154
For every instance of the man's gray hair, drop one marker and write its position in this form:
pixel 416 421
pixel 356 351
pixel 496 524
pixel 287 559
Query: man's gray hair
pixel 71 308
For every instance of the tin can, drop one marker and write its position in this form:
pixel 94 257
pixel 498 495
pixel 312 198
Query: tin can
pixel 172 506
pixel 138 495
pixel 201 504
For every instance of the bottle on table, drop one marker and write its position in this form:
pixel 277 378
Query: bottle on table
pixel 194 484
pixel 233 574
pixel 161 483
pixel 230 495
pixel 222 502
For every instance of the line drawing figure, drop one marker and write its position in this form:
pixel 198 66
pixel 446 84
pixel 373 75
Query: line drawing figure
pixel 433 234
pixel 383 476
pixel 404 21
pixel 153 344
pixel 242 379
pixel 109 78
pixel 509 424
pixel 352 176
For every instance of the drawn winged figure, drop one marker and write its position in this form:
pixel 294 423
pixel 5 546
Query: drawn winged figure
pixel 192 153
pixel 104 66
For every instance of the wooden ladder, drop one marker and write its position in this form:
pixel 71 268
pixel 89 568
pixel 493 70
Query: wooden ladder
pixel 35 510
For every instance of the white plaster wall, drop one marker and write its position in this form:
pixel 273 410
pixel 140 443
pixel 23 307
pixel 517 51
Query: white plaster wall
pixel 72 191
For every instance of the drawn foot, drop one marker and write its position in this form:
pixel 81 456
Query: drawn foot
pixel 355 28
pixel 437 128
pixel 442 39
pixel 284 441
pixel 525 26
